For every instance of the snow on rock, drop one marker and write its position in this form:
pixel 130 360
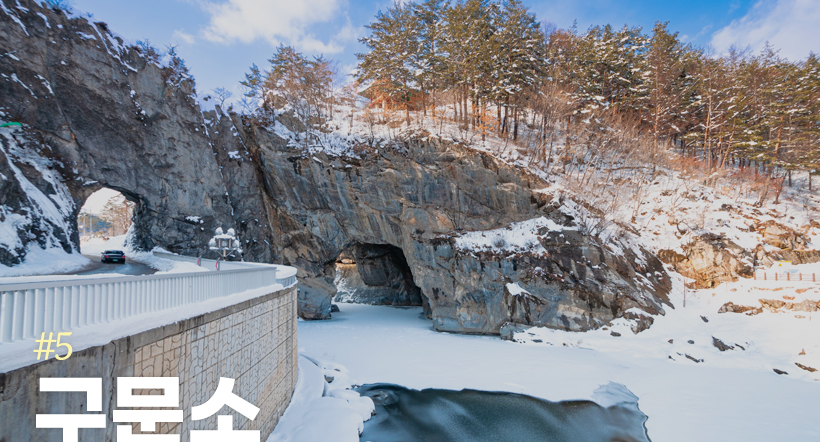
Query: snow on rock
pixel 517 237
pixel 234 155
pixel 43 205
pixel 322 411
pixel 516 289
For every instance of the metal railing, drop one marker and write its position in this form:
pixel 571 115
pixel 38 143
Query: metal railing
pixel 28 309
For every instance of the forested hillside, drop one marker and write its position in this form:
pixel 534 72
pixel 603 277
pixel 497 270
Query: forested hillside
pixel 496 68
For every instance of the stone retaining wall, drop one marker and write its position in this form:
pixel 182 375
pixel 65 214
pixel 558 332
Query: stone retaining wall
pixel 253 342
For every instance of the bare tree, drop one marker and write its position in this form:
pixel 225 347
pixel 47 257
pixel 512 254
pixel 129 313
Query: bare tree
pixel 221 94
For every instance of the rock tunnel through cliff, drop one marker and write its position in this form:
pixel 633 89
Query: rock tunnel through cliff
pixel 375 274
pixel 105 214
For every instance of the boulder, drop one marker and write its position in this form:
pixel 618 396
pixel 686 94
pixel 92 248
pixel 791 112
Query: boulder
pixel 780 236
pixel 731 307
pixel 509 329
pixel 710 260
pixel 720 345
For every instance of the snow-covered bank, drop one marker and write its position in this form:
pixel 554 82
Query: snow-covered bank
pixel 322 411
pixel 44 261
pixel 765 341
pixel 683 400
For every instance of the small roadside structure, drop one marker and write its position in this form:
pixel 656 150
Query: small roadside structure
pixel 225 242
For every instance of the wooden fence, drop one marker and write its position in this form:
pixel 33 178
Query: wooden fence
pixel 785 277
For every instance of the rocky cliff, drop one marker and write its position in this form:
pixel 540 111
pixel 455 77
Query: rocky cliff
pixel 100 113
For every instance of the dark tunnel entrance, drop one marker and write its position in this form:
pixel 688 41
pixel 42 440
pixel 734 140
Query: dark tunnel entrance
pixel 375 274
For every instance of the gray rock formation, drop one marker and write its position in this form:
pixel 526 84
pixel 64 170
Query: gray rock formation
pixel 31 218
pixel 578 285
pixel 105 115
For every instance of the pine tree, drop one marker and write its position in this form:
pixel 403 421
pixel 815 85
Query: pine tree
pixel 253 83
pixel 807 117
pixel 665 74
pixel 294 80
pixel 469 31
pixel 393 45
pixel 429 60
pixel 516 57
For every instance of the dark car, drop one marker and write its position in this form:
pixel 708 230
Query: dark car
pixel 117 256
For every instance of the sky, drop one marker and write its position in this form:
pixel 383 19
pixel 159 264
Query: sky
pixel 220 39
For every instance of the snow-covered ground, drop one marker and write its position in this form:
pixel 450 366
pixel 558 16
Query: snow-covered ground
pixel 730 395
pixel 42 262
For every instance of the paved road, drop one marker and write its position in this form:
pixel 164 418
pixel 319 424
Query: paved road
pixel 129 268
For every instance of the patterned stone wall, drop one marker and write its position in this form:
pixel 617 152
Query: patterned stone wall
pixel 253 342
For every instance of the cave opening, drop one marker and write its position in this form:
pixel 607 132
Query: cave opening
pixel 104 220
pixel 376 274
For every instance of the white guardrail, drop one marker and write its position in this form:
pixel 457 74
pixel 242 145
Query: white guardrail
pixel 28 309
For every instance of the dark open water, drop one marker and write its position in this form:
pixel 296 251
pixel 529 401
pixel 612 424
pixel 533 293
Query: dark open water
pixel 404 415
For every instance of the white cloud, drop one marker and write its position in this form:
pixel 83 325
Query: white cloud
pixel 789 25
pixel 276 21
pixel 184 36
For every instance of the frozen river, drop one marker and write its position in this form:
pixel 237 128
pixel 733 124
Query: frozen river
pixel 435 415
pixel 684 401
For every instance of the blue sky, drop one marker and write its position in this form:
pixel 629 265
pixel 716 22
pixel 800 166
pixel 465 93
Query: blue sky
pixel 220 39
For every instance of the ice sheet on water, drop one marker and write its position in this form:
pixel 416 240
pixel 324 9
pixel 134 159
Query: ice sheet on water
pixel 613 394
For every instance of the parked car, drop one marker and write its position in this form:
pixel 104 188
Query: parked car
pixel 117 256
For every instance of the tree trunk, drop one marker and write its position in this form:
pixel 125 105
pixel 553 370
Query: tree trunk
pixel 474 116
pixel 455 105
pixel 483 111
pixel 515 124
pixel 423 101
pixel 506 113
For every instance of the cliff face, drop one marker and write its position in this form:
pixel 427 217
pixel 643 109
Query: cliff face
pixel 101 114
pixel 420 195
